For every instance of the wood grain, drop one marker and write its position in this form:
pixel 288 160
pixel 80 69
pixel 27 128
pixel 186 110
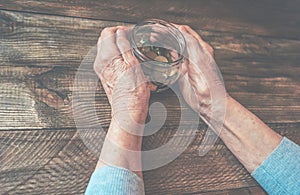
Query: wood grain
pixel 43 44
pixel 254 190
pixel 41 54
pixel 279 18
pixel 38 162
pixel 35 39
pixel 58 161
pixel 42 98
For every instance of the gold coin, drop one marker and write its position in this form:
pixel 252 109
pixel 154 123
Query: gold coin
pixel 161 59
pixel 145 48
pixel 151 54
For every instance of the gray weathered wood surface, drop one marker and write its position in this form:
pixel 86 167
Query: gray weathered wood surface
pixel 43 43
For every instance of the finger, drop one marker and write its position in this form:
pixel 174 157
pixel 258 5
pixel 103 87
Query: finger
pixel 107 48
pixel 176 25
pixel 199 38
pixel 199 59
pixel 108 33
pixel 107 38
pixel 192 43
pixel 203 62
pixel 197 53
pixel 189 30
pixel 106 51
pixel 125 48
pixel 183 68
pixel 193 33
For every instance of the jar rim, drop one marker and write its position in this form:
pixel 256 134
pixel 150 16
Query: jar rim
pixel 181 44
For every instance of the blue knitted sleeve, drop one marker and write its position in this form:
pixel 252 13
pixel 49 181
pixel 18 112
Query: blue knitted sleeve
pixel 279 174
pixel 112 180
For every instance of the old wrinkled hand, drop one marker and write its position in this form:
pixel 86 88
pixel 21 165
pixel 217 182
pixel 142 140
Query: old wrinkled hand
pixel 121 76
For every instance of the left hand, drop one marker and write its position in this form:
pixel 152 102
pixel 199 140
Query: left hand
pixel 121 76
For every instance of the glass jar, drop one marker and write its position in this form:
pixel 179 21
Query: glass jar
pixel 160 48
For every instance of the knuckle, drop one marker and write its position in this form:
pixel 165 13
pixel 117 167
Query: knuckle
pixel 120 30
pixel 187 27
pixel 210 49
pixel 181 28
pixel 119 33
pixel 107 31
pixel 119 27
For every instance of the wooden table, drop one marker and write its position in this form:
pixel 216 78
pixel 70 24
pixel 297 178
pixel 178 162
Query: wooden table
pixel 42 43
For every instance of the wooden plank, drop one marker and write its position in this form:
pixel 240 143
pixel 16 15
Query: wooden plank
pixel 40 55
pixel 35 94
pixel 42 98
pixel 57 161
pixel 254 190
pixel 34 39
pixel 30 39
pixel 191 170
pixel 38 162
pixel 257 191
pixel 272 18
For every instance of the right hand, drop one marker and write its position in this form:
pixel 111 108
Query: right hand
pixel 201 78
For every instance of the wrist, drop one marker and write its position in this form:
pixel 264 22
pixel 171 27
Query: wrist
pixel 216 111
pixel 126 135
pixel 133 113
pixel 122 148
pixel 249 138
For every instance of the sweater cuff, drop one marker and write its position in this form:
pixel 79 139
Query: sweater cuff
pixel 108 180
pixel 280 171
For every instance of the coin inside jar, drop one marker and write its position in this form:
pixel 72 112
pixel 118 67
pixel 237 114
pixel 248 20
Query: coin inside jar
pixel 159 73
pixel 161 59
pixel 159 46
